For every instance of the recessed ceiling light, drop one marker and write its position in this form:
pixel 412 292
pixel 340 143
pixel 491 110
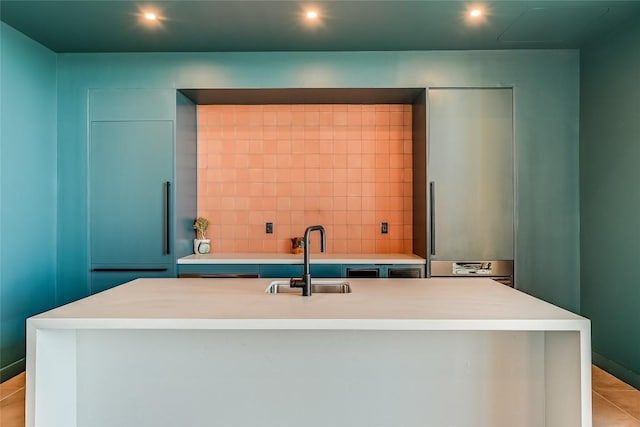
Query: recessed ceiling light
pixel 311 16
pixel 149 17
pixel 475 13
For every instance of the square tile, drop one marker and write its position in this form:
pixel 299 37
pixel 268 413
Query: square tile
pixel 605 414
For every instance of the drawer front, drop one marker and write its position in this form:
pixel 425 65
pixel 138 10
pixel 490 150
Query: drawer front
pixel 326 270
pixel 383 271
pixel 280 270
pixel 364 271
pixel 218 269
pixel 396 272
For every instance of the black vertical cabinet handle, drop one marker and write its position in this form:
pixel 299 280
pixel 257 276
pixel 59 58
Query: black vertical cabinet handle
pixel 432 217
pixel 167 216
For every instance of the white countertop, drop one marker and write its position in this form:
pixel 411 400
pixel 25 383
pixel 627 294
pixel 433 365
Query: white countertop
pixel 321 258
pixel 406 345
pixel 381 304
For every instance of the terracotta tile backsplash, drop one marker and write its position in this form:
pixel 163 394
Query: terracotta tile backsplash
pixel 345 166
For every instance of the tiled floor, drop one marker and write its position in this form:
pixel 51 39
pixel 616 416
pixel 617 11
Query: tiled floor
pixel 12 402
pixel 615 404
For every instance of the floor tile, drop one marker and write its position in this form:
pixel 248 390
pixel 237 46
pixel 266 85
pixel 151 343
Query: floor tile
pixel 627 400
pixel 605 414
pixel 12 410
pixel 11 386
pixel 602 380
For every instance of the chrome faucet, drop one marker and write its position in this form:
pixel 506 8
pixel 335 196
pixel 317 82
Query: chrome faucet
pixel 305 282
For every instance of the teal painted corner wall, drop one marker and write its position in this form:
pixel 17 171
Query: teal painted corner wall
pixel 610 201
pixel 546 108
pixel 44 137
pixel 28 181
pixel 186 171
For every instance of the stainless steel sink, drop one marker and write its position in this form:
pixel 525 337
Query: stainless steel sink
pixel 317 286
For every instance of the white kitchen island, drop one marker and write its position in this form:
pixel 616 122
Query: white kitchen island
pixel 394 352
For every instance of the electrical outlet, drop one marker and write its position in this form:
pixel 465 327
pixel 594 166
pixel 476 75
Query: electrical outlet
pixel 269 228
pixel 384 229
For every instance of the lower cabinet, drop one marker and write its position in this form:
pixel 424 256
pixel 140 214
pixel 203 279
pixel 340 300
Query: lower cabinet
pixel 271 271
pixel 384 271
pixel 326 270
pixel 361 271
pixel 218 271
pixel 274 271
pixel 296 270
pixel 405 272
pixel 268 271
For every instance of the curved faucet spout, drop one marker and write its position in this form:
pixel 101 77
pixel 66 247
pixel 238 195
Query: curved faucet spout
pixel 305 283
pixel 307 242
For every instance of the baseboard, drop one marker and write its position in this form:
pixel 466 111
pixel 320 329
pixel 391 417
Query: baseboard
pixel 12 370
pixel 616 370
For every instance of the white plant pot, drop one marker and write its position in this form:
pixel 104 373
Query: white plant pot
pixel 201 246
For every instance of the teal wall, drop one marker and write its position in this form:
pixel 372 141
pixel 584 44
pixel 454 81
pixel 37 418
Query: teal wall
pixel 44 134
pixel 546 91
pixel 186 177
pixel 28 153
pixel 610 200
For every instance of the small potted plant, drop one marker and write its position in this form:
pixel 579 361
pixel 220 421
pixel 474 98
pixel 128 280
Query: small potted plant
pixel 201 245
pixel 297 245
